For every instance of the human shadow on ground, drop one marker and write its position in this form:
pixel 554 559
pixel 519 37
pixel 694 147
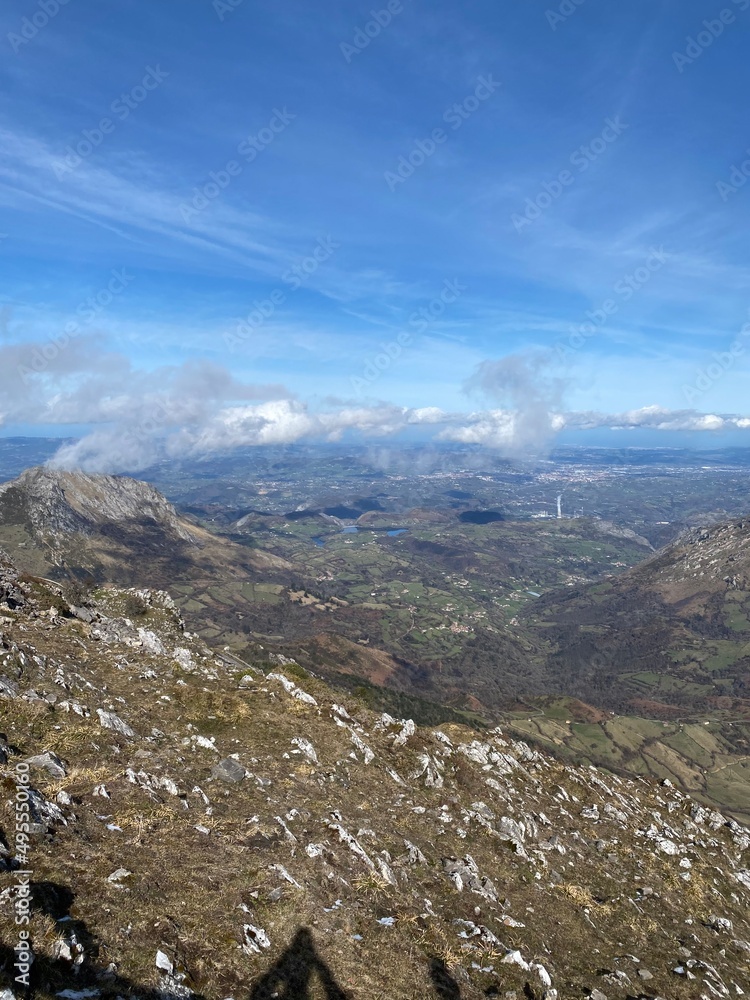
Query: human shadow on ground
pixel 295 973
pixel 445 985
pixel 292 976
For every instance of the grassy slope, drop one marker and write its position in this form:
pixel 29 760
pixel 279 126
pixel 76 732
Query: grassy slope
pixel 575 896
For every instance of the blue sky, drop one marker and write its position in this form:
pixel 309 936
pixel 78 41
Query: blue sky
pixel 590 100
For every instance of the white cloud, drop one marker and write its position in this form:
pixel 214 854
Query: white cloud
pixel 133 445
pixel 130 446
pixel 500 428
pixel 139 417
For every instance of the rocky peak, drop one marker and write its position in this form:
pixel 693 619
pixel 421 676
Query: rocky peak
pixel 54 501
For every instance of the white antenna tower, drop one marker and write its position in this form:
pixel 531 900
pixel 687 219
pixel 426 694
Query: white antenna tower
pixel 559 505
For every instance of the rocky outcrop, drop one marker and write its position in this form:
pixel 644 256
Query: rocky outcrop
pixel 12 596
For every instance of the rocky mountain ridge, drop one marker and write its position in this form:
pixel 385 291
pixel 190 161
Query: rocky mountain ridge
pixel 58 502
pixel 111 528
pixel 202 828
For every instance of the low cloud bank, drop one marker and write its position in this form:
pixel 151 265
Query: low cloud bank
pixel 198 409
pixel 129 448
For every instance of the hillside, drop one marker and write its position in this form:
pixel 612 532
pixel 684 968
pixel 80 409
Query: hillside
pixel 201 831
pixel 675 629
pixel 668 640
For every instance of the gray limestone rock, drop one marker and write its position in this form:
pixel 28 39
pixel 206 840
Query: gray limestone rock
pixel 48 762
pixel 228 770
pixel 108 720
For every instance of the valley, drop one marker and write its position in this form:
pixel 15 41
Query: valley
pixel 576 632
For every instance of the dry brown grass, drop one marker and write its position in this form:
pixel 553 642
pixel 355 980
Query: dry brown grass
pixel 73 739
pixel 372 886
